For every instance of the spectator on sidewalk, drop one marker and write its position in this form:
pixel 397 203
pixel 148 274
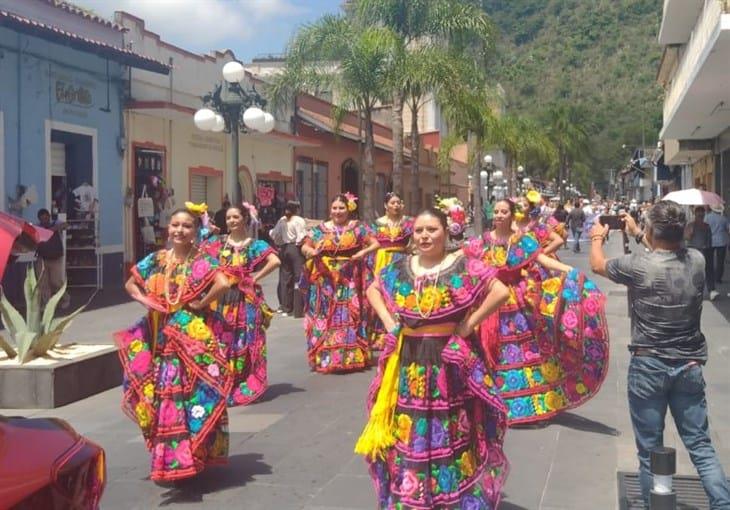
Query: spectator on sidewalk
pixel 699 236
pixel 220 217
pixel 288 234
pixel 49 265
pixel 720 228
pixel 668 349
pixel 576 219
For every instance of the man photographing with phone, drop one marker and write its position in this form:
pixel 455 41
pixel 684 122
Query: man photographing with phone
pixel 668 350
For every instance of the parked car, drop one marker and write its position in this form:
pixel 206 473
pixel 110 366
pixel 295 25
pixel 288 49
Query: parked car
pixel 46 465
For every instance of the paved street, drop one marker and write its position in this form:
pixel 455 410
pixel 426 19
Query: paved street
pixel 293 450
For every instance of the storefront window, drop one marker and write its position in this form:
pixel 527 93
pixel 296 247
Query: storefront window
pixel 149 171
pixel 311 187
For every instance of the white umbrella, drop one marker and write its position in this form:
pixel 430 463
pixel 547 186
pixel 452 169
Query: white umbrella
pixel 694 196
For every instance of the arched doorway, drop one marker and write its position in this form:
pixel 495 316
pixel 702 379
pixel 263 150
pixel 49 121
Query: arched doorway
pixel 350 177
pixel 245 184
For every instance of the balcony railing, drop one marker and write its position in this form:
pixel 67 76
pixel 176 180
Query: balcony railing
pixel 704 31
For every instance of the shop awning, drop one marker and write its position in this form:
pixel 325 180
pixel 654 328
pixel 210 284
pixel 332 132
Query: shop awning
pixel 58 35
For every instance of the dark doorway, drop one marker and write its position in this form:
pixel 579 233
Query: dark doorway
pixel 350 178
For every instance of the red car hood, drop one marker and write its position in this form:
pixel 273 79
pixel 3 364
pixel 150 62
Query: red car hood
pixel 29 449
pixel 11 228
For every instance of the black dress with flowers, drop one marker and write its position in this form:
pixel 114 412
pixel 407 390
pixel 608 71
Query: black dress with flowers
pixel 549 342
pixel 176 376
pixel 450 419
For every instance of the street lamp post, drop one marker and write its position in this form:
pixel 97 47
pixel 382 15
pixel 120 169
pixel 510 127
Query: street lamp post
pixel 231 108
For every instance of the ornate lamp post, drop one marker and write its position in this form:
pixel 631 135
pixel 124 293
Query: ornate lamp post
pixel 526 182
pixel 231 108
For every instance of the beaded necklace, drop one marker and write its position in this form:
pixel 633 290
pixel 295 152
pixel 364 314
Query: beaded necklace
pixel 234 247
pixel 427 280
pixel 339 231
pixel 393 227
pixel 170 265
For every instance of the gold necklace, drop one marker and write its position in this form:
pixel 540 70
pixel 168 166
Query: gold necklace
pixel 393 228
pixel 170 266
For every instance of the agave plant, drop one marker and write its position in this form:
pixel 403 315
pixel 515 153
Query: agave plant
pixel 39 331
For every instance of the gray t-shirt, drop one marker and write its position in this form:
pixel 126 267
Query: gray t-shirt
pixel 665 300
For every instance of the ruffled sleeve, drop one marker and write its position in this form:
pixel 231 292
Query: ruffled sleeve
pixel 313 236
pixel 258 251
pixel 363 233
pixel 523 252
pixel 146 266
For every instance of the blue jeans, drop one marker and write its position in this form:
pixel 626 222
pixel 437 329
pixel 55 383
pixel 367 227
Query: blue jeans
pixel 654 384
pixel 576 236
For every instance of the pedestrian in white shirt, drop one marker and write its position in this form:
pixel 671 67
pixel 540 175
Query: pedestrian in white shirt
pixel 288 234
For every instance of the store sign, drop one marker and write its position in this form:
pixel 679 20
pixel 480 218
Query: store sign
pixel 206 142
pixel 265 196
pixel 72 94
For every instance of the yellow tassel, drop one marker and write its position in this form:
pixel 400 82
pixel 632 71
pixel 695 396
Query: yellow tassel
pixel 378 434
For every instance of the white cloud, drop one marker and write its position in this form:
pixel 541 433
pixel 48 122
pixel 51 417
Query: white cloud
pixel 202 25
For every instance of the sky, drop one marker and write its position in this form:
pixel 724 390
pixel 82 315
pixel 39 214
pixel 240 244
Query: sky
pixel 250 28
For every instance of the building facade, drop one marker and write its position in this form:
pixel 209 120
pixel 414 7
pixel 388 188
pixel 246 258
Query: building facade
pixel 63 73
pixel 169 159
pixel 695 35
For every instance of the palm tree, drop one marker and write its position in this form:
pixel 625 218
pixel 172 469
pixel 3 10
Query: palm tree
pixel 354 61
pixel 466 107
pixel 568 128
pixel 521 137
pixel 424 28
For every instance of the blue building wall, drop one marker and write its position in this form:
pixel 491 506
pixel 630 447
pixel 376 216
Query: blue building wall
pixel 40 81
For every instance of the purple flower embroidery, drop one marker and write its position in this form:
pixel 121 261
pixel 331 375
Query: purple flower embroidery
pixel 521 322
pixel 438 434
pixel 419 444
pixel 471 502
pixel 511 353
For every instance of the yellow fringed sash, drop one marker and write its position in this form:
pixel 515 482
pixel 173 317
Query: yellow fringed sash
pixel 379 432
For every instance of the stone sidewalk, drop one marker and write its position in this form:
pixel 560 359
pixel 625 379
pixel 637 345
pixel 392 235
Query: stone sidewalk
pixel 293 450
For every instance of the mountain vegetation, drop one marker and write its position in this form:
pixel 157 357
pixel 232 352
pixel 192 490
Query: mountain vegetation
pixel 600 56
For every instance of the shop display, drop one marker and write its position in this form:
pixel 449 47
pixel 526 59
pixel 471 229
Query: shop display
pixel 83 262
pixel 152 200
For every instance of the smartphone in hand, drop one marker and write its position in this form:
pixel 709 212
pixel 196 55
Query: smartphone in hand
pixel 613 222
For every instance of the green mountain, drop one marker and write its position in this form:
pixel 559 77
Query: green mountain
pixel 601 54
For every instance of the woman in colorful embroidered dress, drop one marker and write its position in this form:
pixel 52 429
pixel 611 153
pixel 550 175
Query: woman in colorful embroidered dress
pixel 549 342
pixel 393 231
pixel 176 377
pixel 436 426
pixel 241 314
pixel 332 286
pixel 527 219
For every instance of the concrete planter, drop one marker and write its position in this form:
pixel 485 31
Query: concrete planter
pixel 69 374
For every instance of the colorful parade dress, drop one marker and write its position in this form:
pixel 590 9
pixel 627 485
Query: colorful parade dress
pixel 332 286
pixel 176 378
pixel 393 241
pixel 446 416
pixel 549 342
pixel 242 316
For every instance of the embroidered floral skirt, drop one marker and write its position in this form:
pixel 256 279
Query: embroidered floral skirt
pixel 333 320
pixel 240 323
pixel 549 348
pixel 175 387
pixel 382 258
pixel 450 428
